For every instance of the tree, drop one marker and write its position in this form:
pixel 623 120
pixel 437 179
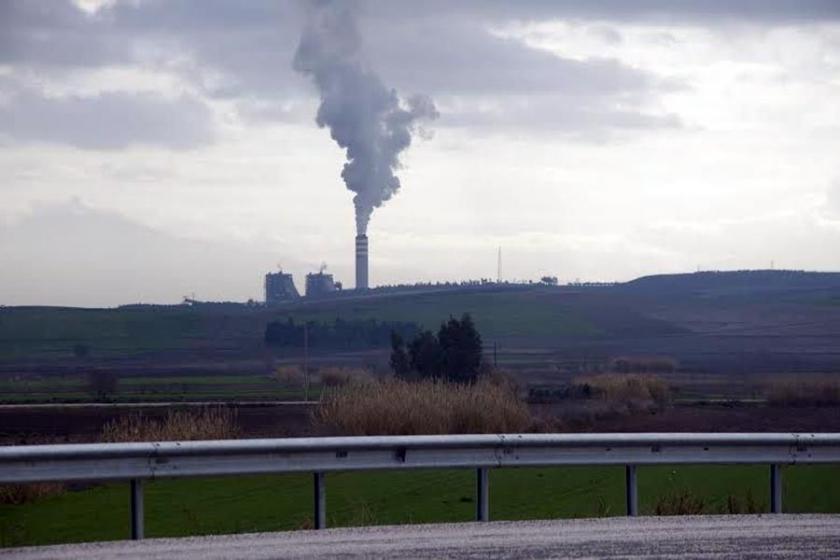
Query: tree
pixel 400 362
pixel 460 346
pixel 425 354
pixel 454 353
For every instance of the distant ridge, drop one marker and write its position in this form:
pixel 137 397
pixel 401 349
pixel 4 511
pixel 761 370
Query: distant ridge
pixel 740 280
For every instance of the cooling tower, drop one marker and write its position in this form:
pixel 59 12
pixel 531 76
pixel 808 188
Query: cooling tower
pixel 361 262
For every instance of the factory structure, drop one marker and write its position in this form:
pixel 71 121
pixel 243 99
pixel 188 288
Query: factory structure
pixel 280 286
pixel 361 262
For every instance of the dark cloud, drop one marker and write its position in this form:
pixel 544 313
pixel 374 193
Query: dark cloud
pixel 464 57
pixel 108 121
pixel 242 51
pixel 46 33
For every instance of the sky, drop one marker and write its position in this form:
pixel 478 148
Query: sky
pixel 156 149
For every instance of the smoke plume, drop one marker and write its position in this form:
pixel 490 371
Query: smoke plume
pixel 366 118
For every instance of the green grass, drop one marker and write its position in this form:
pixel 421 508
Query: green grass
pixel 271 503
pixel 506 314
pixel 74 388
pixel 50 333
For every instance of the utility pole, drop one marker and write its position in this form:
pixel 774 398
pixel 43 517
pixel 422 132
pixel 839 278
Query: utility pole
pixel 499 267
pixel 306 361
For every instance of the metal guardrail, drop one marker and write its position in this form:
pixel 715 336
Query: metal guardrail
pixel 137 462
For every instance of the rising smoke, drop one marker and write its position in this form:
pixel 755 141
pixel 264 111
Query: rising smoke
pixel 364 116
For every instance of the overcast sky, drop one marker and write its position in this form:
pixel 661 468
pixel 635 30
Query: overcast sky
pixel 154 149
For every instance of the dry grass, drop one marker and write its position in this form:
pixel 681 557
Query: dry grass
pixel 399 407
pixel 748 504
pixel 631 389
pixel 178 425
pixel 338 376
pixel 680 503
pixel 16 494
pixel 804 391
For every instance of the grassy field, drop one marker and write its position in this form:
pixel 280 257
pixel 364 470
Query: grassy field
pixel 75 388
pixel 52 333
pixel 498 315
pixel 270 503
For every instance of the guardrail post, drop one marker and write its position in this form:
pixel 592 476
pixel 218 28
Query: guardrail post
pixel 320 496
pixel 631 491
pixel 775 488
pixel 482 494
pixel 136 509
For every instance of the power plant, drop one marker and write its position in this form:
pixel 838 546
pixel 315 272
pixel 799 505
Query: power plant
pixel 279 287
pixel 361 262
pixel 321 284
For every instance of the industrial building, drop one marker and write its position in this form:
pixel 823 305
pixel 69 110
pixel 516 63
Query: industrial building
pixel 321 284
pixel 361 262
pixel 279 288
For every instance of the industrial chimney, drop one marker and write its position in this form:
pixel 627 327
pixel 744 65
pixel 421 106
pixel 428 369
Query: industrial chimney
pixel 361 262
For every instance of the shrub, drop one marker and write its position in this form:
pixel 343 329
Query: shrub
pixel 804 391
pixel 179 425
pixel 679 503
pixel 338 376
pixel 625 388
pixel 400 407
pixel 292 376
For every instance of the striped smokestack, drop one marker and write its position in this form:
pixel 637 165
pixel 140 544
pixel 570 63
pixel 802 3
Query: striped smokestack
pixel 361 262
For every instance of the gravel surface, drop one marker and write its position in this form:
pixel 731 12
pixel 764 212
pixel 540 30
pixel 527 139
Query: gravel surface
pixel 743 536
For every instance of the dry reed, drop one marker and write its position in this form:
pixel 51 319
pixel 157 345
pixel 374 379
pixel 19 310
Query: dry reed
pixel 179 425
pixel 812 390
pixel 399 407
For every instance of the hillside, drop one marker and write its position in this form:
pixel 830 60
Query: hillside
pixel 735 322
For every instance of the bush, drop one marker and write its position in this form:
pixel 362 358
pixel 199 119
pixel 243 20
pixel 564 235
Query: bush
pixel 804 391
pixel 400 407
pixel 623 388
pixel 180 425
pixel 338 376
pixel 291 376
